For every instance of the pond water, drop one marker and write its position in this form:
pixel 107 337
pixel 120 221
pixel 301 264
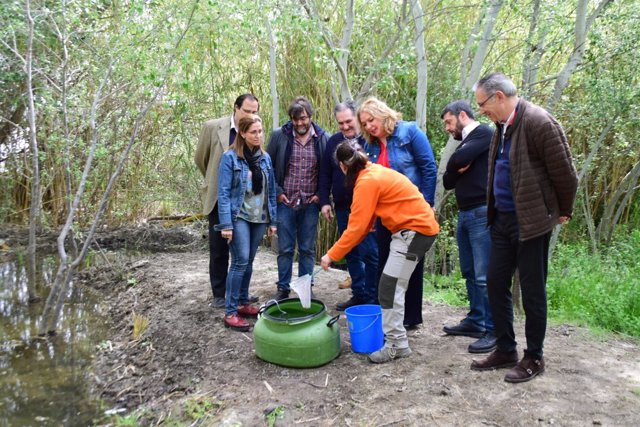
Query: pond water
pixel 46 381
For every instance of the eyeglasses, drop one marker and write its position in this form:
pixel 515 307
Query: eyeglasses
pixel 300 119
pixel 481 104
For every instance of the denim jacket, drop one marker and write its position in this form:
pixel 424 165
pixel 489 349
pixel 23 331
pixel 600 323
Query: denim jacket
pixel 410 154
pixel 233 177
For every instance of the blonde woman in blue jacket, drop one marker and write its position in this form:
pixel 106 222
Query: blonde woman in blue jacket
pixel 403 147
pixel 246 206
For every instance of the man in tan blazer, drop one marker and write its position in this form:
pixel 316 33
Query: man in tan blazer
pixel 216 136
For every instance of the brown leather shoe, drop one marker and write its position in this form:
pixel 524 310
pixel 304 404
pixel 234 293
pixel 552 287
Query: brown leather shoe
pixel 496 360
pixel 526 370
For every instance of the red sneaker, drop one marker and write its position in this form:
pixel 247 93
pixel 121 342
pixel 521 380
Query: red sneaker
pixel 248 310
pixel 236 322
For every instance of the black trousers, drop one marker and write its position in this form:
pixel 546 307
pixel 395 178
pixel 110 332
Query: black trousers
pixel 218 257
pixel 413 296
pixel 531 259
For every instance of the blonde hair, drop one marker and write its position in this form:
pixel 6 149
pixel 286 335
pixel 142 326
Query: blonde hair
pixel 243 127
pixel 378 110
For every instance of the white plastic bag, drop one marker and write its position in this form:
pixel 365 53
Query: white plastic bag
pixel 302 287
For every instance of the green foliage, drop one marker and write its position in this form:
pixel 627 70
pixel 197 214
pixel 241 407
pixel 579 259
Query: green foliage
pixel 450 289
pixel 272 416
pixel 199 408
pixel 226 52
pixel 601 290
pixel 130 420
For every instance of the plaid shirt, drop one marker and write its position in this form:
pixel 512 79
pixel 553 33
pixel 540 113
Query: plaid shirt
pixel 301 180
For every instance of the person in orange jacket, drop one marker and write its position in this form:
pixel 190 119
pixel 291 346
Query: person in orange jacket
pixel 382 192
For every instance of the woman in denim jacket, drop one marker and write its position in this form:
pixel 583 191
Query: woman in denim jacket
pixel 404 147
pixel 246 205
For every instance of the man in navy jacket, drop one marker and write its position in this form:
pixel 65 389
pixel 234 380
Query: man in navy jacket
pixel 362 261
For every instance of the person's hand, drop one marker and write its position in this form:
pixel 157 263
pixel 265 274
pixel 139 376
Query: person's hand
pixel 464 169
pixel 314 199
pixel 563 219
pixel 326 212
pixel 325 262
pixel 282 198
pixel 272 230
pixel 227 234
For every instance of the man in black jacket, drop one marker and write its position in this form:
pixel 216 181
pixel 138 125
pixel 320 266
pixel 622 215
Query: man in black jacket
pixel 467 173
pixel 296 151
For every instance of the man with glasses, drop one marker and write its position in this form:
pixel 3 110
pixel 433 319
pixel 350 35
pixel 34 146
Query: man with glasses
pixel 531 188
pixel 296 151
pixel 216 137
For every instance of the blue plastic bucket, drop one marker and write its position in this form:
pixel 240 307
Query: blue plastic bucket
pixel 365 328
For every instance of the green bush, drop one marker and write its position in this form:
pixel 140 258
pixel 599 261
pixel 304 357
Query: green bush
pixel 450 289
pixel 600 290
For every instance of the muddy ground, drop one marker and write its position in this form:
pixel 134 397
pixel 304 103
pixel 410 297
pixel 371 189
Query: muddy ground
pixel 187 356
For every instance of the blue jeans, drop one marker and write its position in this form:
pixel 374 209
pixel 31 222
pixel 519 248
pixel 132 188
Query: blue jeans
pixel 362 263
pixel 243 247
pixel 474 247
pixel 296 224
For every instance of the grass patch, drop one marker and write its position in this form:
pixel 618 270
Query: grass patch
pixel 599 290
pixel 450 290
pixel 140 325
pixel 272 416
pixel 200 408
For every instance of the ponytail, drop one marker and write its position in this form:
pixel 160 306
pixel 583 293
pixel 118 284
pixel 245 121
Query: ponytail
pixel 351 154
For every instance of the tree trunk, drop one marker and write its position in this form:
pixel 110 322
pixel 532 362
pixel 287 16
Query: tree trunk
pixel 339 56
pixel 617 203
pixel 275 102
pixel 582 27
pixel 466 81
pixel 483 45
pixel 534 51
pixel 466 51
pixel 34 210
pixel 402 22
pixel 421 57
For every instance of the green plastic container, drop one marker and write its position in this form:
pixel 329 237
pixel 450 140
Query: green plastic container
pixel 288 334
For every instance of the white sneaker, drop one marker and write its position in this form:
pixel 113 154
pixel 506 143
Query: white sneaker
pixel 387 354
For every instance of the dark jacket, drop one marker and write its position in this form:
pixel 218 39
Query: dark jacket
pixel 543 178
pixel 471 185
pixel 279 149
pixel 332 178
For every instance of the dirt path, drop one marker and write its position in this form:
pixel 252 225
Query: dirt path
pixel 187 352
